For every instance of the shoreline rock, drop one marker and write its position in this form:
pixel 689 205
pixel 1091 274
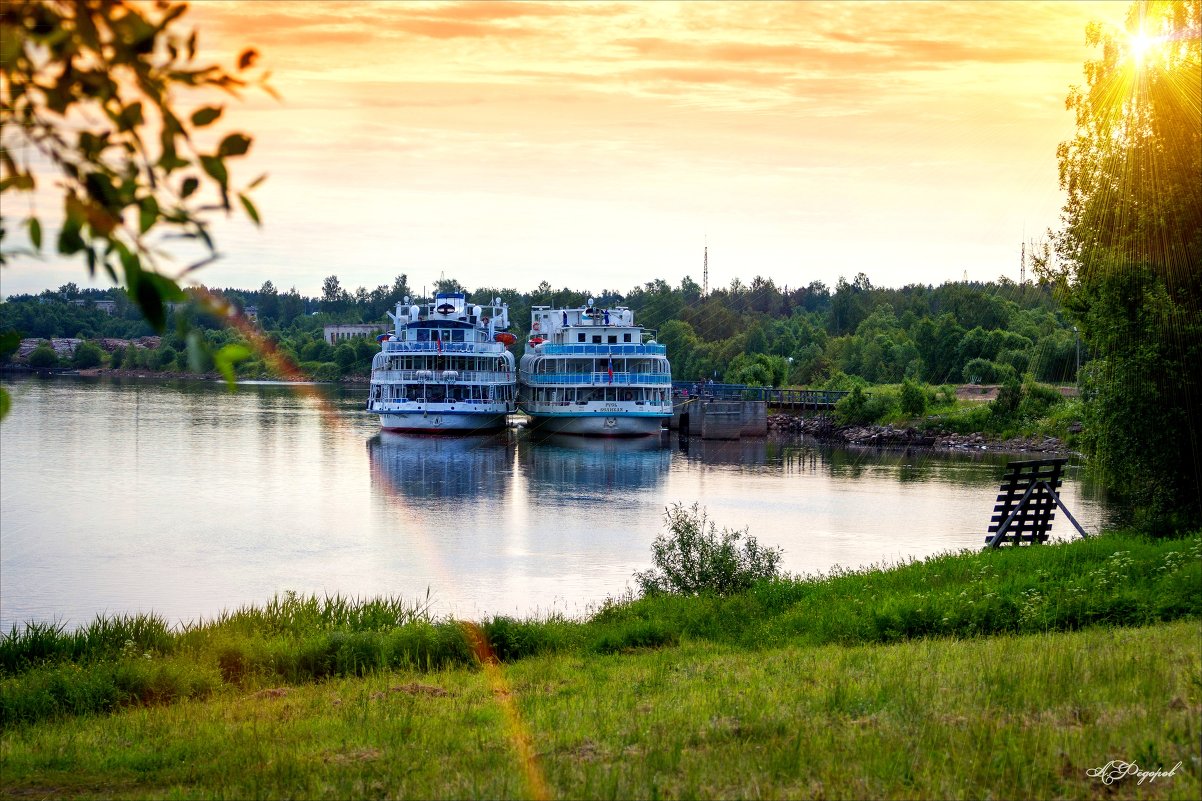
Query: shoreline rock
pixel 824 429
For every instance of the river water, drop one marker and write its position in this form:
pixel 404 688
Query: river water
pixel 185 499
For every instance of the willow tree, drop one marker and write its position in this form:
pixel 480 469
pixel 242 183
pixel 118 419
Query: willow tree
pixel 1129 250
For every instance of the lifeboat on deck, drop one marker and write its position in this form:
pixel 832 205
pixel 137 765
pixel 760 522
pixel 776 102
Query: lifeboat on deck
pixel 505 338
pixel 536 340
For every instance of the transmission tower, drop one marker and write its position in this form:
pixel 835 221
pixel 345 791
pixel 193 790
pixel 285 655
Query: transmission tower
pixel 1022 269
pixel 705 272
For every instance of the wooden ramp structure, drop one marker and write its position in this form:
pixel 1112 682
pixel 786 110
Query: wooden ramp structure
pixel 1026 504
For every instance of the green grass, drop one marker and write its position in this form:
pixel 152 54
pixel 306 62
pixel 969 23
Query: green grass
pixel 1116 580
pixel 1010 716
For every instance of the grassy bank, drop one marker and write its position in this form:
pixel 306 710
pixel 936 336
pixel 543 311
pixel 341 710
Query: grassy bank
pixel 1116 580
pixel 1005 716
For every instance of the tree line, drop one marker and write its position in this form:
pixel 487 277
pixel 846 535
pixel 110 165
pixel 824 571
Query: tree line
pixel 755 333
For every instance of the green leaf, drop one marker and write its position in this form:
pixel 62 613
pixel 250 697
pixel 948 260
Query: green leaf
pixel 190 185
pixel 226 358
pixel 148 213
pixel 215 167
pixel 6 403
pixel 257 181
pixel 69 240
pixel 234 145
pixel 100 188
pixel 251 211
pixel 35 233
pixel 206 116
pixel 247 58
pixel 131 117
pixel 148 289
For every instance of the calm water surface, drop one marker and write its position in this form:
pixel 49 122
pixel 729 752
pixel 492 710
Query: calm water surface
pixel 185 499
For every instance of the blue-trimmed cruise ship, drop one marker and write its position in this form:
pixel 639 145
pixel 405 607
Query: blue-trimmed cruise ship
pixel 445 367
pixel 593 371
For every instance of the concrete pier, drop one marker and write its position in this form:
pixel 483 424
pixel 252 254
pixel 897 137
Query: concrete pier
pixel 720 419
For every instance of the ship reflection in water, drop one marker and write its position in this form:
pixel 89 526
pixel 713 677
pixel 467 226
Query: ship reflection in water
pixel 571 470
pixel 430 468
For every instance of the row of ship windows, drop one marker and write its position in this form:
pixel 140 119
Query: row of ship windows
pixel 442 393
pixel 443 334
pixel 432 362
pixel 569 395
pixel 585 366
pixel 611 339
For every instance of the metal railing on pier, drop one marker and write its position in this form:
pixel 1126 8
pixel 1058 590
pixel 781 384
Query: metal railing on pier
pixel 778 398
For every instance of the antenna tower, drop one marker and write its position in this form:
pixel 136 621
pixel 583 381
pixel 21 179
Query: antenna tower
pixel 1022 270
pixel 705 272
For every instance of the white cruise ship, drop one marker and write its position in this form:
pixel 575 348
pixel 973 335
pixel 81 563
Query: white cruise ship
pixel 593 371
pixel 445 367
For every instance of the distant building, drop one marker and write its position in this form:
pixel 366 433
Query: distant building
pixel 341 333
pixel 106 306
pixel 252 313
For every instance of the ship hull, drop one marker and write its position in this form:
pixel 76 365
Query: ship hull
pixel 598 424
pixel 434 421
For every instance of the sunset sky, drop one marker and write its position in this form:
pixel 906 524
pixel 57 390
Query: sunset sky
pixel 601 145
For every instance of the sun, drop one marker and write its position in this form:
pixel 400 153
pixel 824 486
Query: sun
pixel 1141 44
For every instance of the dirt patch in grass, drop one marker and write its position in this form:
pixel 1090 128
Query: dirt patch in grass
pixel 988 392
pixel 977 392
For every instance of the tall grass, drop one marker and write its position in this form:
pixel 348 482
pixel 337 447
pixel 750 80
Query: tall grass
pixel 1112 580
pixel 1117 580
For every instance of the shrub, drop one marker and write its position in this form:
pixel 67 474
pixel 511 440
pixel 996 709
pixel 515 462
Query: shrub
pixel 10 341
pixel 1038 400
pixel 43 356
pixel 913 399
pixel 882 403
pixel 317 351
pixel 322 371
pixel 165 358
pixel 344 357
pixel 1009 396
pixel 983 371
pixel 694 558
pixel 852 409
pixel 842 382
pixel 87 355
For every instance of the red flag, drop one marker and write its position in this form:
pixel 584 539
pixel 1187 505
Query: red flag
pixel 611 369
pixel 438 340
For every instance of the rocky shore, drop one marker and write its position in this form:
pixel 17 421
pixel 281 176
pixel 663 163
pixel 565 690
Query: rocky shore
pixel 824 429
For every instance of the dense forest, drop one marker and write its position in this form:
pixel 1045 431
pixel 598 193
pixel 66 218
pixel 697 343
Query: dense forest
pixel 756 333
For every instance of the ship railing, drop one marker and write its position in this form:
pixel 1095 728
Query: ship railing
pixel 435 377
pixel 598 379
pixel 636 405
pixel 403 404
pixel 603 350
